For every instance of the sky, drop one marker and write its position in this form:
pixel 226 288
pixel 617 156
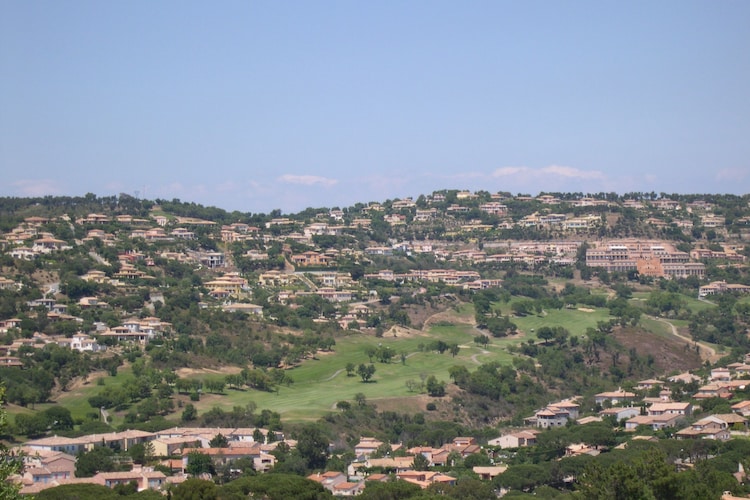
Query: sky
pixel 261 105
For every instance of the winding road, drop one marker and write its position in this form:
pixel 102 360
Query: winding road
pixel 705 352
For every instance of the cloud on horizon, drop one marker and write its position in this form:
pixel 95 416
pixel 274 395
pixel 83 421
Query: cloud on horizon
pixel 731 174
pixel 38 187
pixel 559 171
pixel 308 180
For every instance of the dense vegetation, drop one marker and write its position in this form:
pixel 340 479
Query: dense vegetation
pixel 531 360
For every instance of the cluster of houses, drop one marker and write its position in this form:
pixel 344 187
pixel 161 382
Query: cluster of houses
pixel 657 413
pixel 133 331
pixel 51 461
pixel 648 257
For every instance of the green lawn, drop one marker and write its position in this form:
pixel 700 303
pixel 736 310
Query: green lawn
pixel 656 327
pixel 76 399
pixel 575 320
pixel 320 383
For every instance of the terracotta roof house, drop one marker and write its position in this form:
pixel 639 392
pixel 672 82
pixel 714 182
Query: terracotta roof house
pixel 425 478
pixel 620 413
pixel 685 409
pixel 262 461
pixel 11 361
pixel 721 375
pixel 487 473
pixel 706 428
pixel 164 447
pixel 684 378
pixel 47 467
pixel 145 478
pixel 517 439
pixel 328 479
pixel 555 415
pixel 655 422
pixel 614 397
pixel 742 408
pixel 396 464
pixel 648 384
pixel 367 446
pixel 732 419
pixel 347 489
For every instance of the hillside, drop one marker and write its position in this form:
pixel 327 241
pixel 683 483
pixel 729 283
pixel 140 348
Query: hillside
pixel 465 311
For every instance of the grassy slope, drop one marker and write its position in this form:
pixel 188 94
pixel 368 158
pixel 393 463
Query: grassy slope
pixel 320 383
pixel 575 320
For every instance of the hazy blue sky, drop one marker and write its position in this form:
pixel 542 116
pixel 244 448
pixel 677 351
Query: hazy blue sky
pixel 253 105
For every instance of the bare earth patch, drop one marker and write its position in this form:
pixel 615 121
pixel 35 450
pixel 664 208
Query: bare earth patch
pixel 585 309
pixel 191 372
pixel 671 354
pixel 406 404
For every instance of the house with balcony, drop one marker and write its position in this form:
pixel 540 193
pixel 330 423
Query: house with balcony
pixel 683 409
pixel 620 413
pixel 425 478
pixel 710 427
pixel 47 467
pixel 614 397
pixel 554 414
pixel 366 447
pixel 310 259
pixel 656 422
pixel 84 343
pixel 328 479
pixel 145 478
pixel 518 439
pixel 742 408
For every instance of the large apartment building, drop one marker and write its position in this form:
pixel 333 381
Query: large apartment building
pixel 649 258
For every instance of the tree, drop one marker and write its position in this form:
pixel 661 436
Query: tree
pixel 434 387
pixel 31 424
pixel 59 418
pixel 391 490
pixel 546 334
pixel 9 463
pixel 141 453
pixel 459 374
pixel 370 352
pixel 219 441
pixel 366 372
pixel 350 369
pixel 420 462
pixel 199 463
pixel 412 385
pixel 454 349
pixel 99 459
pixel 195 489
pixel 645 476
pixel 523 477
pixel 522 307
pixel 482 340
pixel 312 445
pixel 189 413
pixel 258 436
pixel 76 491
pixel 275 486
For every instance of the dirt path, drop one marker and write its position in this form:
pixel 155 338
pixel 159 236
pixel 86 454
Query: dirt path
pixel 474 357
pixel 335 374
pixel 705 352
